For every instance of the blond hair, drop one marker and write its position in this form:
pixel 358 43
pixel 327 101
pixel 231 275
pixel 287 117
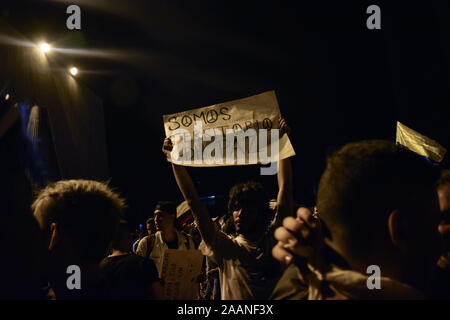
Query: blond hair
pixel 88 211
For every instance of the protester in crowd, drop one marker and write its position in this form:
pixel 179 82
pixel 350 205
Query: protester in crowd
pixel 166 237
pixel 441 279
pixel 150 225
pixel 130 276
pixel 78 219
pixel 380 205
pixel 227 225
pixel 247 270
pixel 150 228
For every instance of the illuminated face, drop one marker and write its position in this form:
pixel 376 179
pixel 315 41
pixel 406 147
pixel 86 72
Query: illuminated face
pixel 163 220
pixel 444 199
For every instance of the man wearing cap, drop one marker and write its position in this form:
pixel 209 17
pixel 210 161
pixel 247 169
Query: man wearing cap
pixel 166 237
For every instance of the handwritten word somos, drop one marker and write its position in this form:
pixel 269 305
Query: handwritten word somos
pixel 209 117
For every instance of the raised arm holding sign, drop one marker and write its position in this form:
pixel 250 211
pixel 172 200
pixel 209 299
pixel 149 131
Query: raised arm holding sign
pixel 246 267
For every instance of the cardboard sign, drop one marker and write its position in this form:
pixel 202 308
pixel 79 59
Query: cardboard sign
pixel 239 132
pixel 179 272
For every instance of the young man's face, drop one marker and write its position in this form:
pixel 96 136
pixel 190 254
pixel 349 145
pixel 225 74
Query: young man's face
pixel 163 220
pixel 444 199
pixel 245 218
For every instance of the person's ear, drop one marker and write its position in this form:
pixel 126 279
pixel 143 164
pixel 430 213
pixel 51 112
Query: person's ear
pixel 396 228
pixel 54 236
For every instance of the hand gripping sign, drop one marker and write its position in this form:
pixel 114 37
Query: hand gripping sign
pixel 239 132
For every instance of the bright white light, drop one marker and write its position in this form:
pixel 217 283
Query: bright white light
pixel 7 96
pixel 45 47
pixel 73 71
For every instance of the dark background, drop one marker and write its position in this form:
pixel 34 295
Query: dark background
pixel 336 81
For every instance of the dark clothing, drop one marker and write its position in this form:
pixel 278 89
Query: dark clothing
pixel 96 289
pixel 129 276
pixel 173 244
pixel 289 287
pixel 440 284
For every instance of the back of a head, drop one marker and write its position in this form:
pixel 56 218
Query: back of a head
pixel 363 183
pixel 87 211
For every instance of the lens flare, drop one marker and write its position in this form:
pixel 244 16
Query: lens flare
pixel 45 47
pixel 73 71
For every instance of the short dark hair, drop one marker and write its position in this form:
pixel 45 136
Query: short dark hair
pixel 364 181
pixel 248 192
pixel 89 211
pixel 150 220
pixel 167 206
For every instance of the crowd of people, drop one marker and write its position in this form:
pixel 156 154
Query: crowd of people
pixel 378 204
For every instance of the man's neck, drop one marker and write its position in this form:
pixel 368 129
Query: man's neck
pixel 391 263
pixel 169 235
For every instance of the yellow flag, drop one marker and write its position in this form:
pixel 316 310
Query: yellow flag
pixel 419 143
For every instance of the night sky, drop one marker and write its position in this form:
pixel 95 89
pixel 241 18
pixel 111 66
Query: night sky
pixel 336 81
